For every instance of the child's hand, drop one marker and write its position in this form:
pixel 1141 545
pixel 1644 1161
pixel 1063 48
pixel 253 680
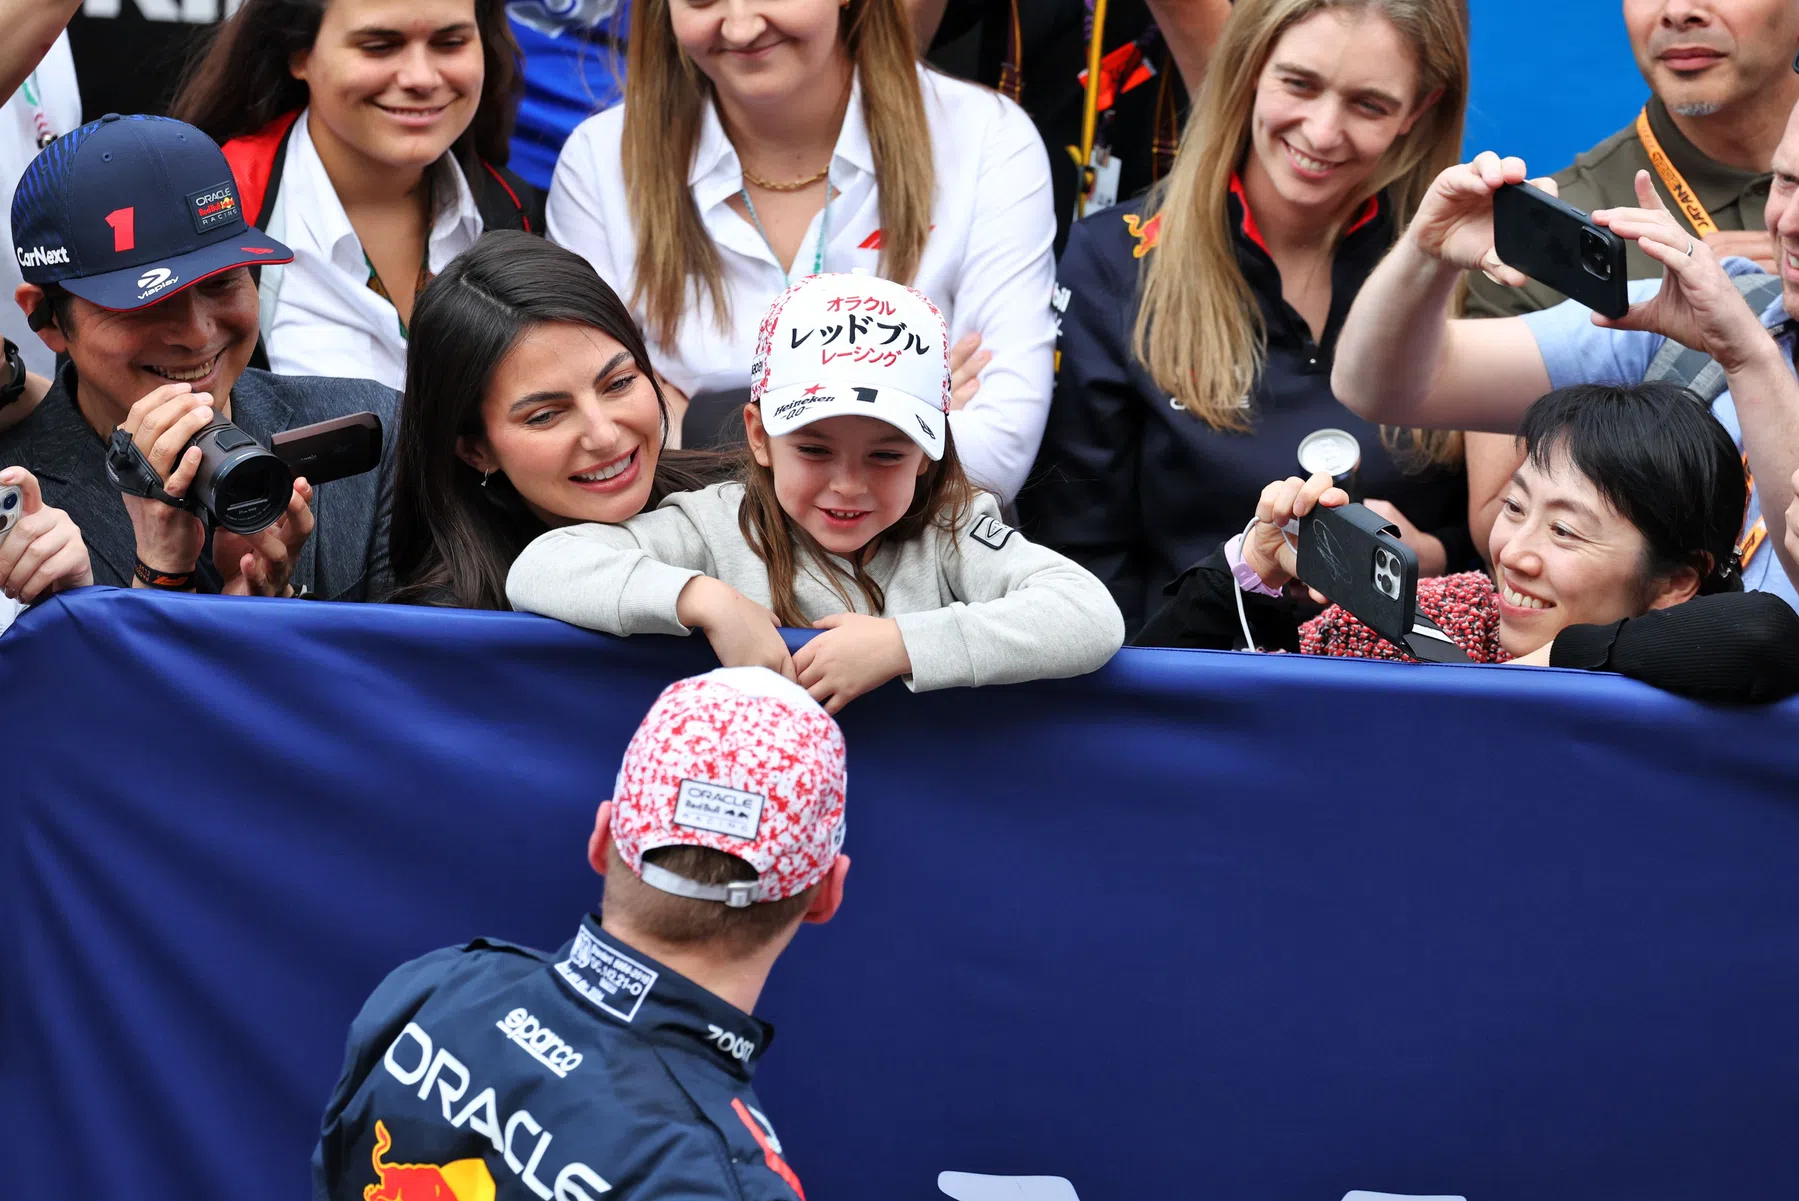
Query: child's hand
pixel 855 654
pixel 742 633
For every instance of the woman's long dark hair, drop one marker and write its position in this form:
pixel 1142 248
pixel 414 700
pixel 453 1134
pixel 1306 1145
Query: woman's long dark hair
pixel 1661 459
pixel 453 540
pixel 241 81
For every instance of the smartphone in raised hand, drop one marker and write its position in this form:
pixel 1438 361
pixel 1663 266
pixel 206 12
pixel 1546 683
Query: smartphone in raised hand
pixel 1557 244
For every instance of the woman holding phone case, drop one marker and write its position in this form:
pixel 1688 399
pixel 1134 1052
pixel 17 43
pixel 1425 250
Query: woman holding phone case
pixel 1199 324
pixel 1614 550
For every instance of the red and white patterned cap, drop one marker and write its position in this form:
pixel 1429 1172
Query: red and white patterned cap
pixel 853 345
pixel 741 760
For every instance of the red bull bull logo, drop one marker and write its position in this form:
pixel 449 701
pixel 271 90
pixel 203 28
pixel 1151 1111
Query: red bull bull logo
pixel 462 1180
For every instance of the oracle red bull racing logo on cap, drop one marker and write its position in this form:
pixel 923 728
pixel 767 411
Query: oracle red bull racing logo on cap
pixel 460 1180
pixel 213 207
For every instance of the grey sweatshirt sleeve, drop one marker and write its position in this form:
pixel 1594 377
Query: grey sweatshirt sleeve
pixel 1022 612
pixel 623 579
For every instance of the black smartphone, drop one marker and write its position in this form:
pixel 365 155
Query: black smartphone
pixel 1355 557
pixel 1557 244
pixel 331 450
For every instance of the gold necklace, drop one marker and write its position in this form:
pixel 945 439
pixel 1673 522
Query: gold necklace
pixel 789 185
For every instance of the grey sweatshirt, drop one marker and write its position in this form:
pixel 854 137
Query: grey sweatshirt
pixel 981 606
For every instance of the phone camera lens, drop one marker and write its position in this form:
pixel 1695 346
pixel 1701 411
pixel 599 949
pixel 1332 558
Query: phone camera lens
pixel 1595 254
pixel 9 502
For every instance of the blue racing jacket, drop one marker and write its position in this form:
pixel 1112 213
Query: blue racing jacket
pixel 492 1071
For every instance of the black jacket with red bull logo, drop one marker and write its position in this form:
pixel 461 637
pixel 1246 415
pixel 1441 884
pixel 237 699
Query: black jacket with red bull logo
pixel 493 1072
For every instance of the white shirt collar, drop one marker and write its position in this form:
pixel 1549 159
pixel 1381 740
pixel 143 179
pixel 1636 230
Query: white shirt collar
pixel 455 227
pixel 717 174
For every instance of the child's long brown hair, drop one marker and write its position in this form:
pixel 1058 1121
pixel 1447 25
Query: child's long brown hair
pixel 940 498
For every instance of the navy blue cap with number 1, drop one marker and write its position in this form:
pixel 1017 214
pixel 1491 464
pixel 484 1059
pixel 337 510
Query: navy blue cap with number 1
pixel 127 211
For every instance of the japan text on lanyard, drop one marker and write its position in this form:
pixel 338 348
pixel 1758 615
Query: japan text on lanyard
pixel 33 91
pixel 1754 532
pixel 1673 180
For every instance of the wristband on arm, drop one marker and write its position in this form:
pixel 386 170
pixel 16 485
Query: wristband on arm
pixel 163 581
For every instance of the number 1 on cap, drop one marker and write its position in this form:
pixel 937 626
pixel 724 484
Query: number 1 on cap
pixel 124 229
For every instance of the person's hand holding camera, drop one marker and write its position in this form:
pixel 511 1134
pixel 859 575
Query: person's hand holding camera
pixel 1454 223
pixel 1697 304
pixel 43 553
pixel 1265 548
pixel 262 564
pixel 169 540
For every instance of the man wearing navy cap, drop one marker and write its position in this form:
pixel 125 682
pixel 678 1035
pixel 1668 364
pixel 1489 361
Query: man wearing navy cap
pixel 137 265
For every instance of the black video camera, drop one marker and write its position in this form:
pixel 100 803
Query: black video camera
pixel 241 485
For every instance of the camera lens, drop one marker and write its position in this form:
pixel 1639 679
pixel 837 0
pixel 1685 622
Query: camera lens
pixel 9 502
pixel 241 484
pixel 1595 254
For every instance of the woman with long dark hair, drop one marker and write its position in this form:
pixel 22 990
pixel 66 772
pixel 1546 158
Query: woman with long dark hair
pixel 370 136
pixel 530 403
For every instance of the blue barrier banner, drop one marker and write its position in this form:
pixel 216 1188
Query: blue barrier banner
pixel 1199 925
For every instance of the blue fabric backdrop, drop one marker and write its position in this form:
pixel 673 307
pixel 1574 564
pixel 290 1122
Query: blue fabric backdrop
pixel 1550 78
pixel 1200 925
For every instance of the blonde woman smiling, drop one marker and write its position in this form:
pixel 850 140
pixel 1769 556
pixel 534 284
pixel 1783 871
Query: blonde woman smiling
pixel 762 141
pixel 1201 322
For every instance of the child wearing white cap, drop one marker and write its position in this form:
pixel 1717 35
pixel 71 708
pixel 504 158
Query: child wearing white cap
pixel 851 515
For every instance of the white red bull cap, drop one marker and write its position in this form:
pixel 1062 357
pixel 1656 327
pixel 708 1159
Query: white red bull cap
pixel 853 345
pixel 740 760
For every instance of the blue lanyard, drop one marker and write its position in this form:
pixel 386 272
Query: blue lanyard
pixel 824 225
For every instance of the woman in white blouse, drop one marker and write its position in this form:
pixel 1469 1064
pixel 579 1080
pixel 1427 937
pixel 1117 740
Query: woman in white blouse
pixel 761 141
pixel 367 135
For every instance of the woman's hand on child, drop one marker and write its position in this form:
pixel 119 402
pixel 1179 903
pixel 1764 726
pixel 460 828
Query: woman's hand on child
pixel 855 654
pixel 742 632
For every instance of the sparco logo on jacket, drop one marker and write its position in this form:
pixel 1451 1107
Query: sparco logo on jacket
pixel 539 1041
pixel 435 1067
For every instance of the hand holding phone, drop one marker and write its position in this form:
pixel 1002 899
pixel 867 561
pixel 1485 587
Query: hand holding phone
pixel 1355 557
pixel 11 508
pixel 1267 547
